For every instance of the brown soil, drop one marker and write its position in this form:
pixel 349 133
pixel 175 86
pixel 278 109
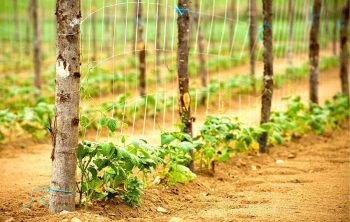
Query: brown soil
pixel 311 184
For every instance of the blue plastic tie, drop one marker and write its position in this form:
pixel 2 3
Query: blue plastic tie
pixel 60 191
pixel 316 15
pixel 266 24
pixel 262 143
pixel 41 199
pixel 261 28
pixel 312 16
pixel 138 21
pixel 181 10
pixel 340 23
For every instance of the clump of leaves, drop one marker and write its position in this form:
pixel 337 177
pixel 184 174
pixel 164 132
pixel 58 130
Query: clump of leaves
pixel 298 118
pixel 108 170
pixel 292 121
pixel 7 120
pixel 221 136
pixel 338 108
pixel 36 120
pixel 33 120
pixel 328 116
pixel 174 152
pixel 328 62
pixel 214 140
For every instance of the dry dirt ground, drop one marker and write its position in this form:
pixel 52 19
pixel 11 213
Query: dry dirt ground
pixel 303 180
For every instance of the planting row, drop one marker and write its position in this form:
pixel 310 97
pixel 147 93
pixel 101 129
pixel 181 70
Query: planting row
pixel 122 170
pixel 37 109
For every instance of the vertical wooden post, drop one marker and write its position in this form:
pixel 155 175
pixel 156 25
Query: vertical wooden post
pixel 37 51
pixel 183 24
pixel 335 24
pixel 344 54
pixel 291 32
pixel 141 49
pixel 268 72
pixel 252 40
pixel 314 49
pixel 66 122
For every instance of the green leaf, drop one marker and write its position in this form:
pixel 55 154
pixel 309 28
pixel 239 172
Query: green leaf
pixel 93 171
pixel 28 114
pixel 118 179
pixel 110 170
pixel 186 137
pixel 104 121
pixel 209 152
pixel 180 174
pixel 101 163
pixel 112 124
pixel 225 155
pixel 186 146
pixel 166 138
pixel 107 149
pixel 134 159
pixel 277 136
pixel 84 121
pixel 209 138
pixel 123 153
pixel 2 136
pixel 81 151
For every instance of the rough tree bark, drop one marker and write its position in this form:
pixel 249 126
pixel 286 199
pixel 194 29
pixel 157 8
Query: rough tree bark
pixel 268 72
pixel 344 54
pixel 141 49
pixel 291 32
pixel 314 48
pixel 335 24
pixel 203 72
pixel 252 40
pixel 93 30
pixel 183 24
pixel 158 78
pixel 36 39
pixel 232 23
pixel 66 122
